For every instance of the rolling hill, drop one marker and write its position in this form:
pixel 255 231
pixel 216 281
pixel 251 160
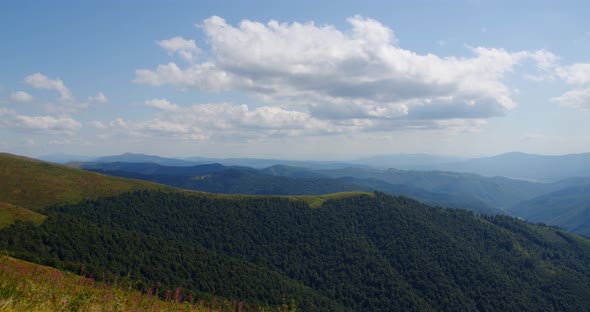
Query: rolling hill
pixel 34 184
pixel 340 252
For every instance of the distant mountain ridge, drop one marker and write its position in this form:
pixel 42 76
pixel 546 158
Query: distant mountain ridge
pixel 216 178
pixel 568 208
pixel 515 165
pixel 526 166
pixel 489 195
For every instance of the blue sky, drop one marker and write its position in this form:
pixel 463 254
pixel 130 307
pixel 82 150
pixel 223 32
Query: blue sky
pixel 296 80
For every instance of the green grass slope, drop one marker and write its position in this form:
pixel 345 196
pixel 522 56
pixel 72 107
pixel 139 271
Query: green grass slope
pixel 35 184
pixel 10 214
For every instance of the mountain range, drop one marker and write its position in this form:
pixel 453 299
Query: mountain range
pixel 515 165
pixel 488 195
pixel 341 252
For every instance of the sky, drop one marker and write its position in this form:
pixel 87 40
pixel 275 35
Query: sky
pixel 323 80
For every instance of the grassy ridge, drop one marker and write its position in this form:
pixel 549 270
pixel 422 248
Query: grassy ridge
pixel 35 184
pixel 316 201
pixel 10 213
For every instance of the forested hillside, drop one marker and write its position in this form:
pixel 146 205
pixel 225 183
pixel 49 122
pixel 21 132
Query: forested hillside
pixel 568 208
pixel 360 253
pixel 243 181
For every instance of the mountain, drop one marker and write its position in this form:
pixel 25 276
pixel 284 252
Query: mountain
pixel 354 253
pixel 260 163
pixel 341 252
pixel 568 208
pixel 408 161
pixel 447 189
pixel 143 158
pixel 34 184
pixel 467 202
pixel 494 192
pixel 526 166
pixel 291 172
pixel 154 168
pixel 215 178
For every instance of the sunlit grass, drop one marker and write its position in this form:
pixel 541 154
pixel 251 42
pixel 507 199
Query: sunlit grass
pixel 316 201
pixel 35 184
pixel 25 286
pixel 9 214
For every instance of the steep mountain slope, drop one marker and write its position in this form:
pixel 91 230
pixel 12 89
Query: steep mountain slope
pixel 568 208
pixel 35 184
pixel 351 252
pixel 360 253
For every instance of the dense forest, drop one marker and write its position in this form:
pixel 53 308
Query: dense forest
pixel 243 181
pixel 359 253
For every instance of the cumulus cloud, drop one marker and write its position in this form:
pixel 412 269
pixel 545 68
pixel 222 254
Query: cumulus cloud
pixel 577 75
pixel 341 77
pixel 41 81
pixel 11 119
pixel 161 104
pixel 187 49
pixel 98 125
pixel 98 98
pixel 578 98
pixel 204 121
pixel 21 96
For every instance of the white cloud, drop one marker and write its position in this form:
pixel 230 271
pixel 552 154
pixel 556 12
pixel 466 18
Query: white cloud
pixel 98 125
pixel 203 121
pixel 99 98
pixel 47 123
pixel 341 77
pixel 11 119
pixel 21 96
pixel 161 104
pixel 205 76
pixel 41 81
pixel 187 49
pixel 577 75
pixel 577 98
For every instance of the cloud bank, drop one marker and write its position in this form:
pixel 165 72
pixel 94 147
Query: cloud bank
pixel 336 80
